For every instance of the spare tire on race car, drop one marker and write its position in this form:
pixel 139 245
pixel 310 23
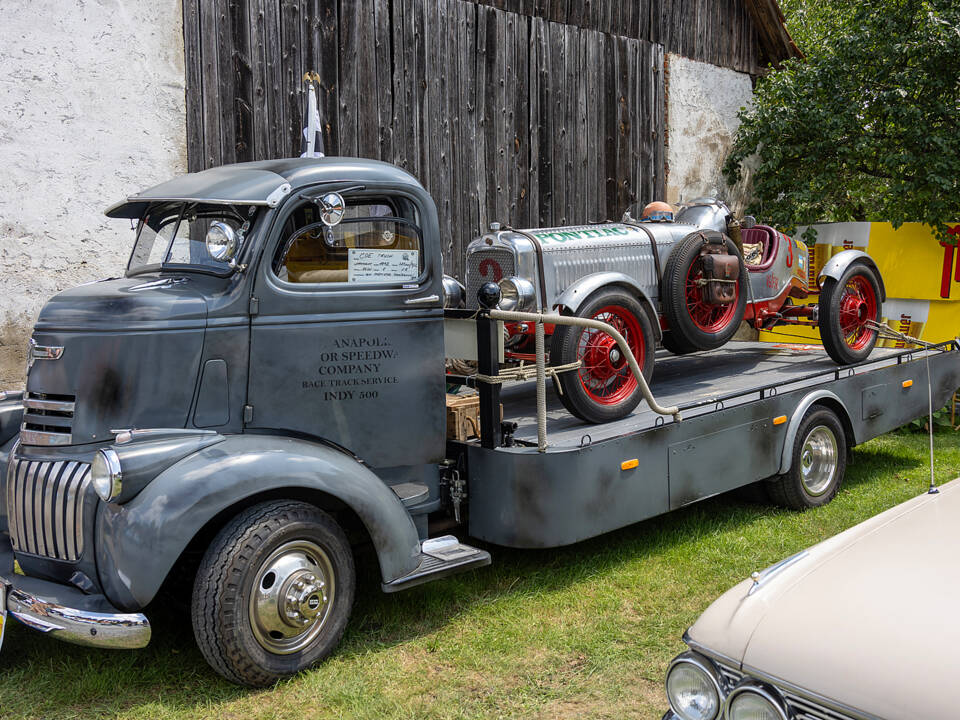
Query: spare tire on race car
pixel 604 387
pixel 691 317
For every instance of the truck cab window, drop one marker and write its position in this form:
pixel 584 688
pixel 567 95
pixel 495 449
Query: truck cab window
pixel 376 242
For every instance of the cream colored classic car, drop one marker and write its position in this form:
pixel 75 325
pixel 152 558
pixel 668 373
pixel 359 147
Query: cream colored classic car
pixel 861 626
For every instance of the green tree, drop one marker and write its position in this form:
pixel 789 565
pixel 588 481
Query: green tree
pixel 867 125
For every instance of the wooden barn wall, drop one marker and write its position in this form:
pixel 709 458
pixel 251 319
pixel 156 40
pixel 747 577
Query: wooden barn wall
pixel 503 116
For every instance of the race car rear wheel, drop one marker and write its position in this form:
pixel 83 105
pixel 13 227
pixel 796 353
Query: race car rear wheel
pixel 695 322
pixel 604 387
pixel 847 307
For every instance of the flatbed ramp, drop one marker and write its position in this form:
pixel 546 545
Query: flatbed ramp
pixel 698 383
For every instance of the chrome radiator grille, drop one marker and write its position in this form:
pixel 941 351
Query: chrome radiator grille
pixel 487 265
pixel 800 707
pixel 45 507
pixel 47 419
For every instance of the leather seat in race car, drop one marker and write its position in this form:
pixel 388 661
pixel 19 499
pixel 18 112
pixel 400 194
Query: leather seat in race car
pixel 764 238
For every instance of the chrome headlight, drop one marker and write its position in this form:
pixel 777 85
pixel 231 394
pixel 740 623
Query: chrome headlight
pixel 754 702
pixel 517 294
pixel 221 241
pixel 454 293
pixel 693 687
pixel 105 475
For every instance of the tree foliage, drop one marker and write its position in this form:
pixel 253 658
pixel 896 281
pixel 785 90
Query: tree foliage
pixel 867 126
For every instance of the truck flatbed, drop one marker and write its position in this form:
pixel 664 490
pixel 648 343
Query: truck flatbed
pixel 733 374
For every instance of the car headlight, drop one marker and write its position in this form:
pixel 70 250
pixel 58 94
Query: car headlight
pixel 221 241
pixel 105 475
pixel 754 702
pixel 517 294
pixel 453 292
pixel 693 688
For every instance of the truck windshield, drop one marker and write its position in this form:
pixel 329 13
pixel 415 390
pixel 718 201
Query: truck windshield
pixel 173 236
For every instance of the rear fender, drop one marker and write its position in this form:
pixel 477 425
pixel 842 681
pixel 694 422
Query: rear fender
pixel 838 264
pixel 573 297
pixel 139 542
pixel 822 397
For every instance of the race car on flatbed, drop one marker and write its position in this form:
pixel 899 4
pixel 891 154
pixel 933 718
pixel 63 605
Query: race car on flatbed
pixel 684 283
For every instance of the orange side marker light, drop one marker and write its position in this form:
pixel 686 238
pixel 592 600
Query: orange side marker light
pixel 629 464
pixel 907 383
pixel 780 420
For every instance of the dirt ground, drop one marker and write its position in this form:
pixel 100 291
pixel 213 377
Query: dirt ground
pixel 14 336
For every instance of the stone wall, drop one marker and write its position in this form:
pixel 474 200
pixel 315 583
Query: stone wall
pixel 702 105
pixel 91 110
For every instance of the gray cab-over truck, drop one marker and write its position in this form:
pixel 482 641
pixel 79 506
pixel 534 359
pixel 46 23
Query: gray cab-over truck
pixel 263 392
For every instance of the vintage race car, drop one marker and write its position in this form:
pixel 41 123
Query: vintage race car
pixel 687 283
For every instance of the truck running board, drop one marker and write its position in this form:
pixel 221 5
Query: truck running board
pixel 440 557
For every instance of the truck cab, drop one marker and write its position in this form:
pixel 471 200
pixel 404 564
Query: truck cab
pixel 265 383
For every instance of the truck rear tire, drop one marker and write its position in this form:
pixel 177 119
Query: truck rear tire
pixel 273 593
pixel 847 306
pixel 818 462
pixel 694 323
pixel 604 388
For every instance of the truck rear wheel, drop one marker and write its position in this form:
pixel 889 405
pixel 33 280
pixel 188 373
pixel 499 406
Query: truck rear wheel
pixel 847 308
pixel 273 593
pixel 818 462
pixel 604 388
pixel 695 323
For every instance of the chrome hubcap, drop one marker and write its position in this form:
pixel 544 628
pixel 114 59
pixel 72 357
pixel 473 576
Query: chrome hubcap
pixel 818 460
pixel 292 595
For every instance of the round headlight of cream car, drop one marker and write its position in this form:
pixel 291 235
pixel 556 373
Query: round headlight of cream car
pixel 693 689
pixel 517 294
pixel 753 702
pixel 105 475
pixel 221 241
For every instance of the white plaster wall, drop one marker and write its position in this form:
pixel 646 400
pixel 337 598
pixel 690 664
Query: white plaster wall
pixel 702 105
pixel 91 110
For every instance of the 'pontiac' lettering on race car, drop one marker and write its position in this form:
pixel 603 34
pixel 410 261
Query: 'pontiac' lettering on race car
pixel 562 236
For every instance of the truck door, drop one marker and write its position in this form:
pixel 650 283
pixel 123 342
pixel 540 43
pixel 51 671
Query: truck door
pixel 347 326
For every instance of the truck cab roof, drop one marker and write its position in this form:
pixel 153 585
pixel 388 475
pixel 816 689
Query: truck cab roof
pixel 265 182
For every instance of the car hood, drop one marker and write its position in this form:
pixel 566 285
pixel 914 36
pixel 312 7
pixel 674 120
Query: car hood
pixel 861 618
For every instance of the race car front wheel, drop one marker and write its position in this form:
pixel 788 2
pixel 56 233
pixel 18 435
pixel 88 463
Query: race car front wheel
pixel 848 308
pixel 604 387
pixel 696 323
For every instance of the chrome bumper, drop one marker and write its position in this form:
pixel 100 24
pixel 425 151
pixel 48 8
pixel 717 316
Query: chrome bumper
pixel 119 631
pixel 66 613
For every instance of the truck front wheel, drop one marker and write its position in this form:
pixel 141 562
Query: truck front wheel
pixel 819 459
pixel 273 593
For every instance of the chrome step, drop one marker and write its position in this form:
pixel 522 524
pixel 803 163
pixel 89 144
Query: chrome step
pixel 440 557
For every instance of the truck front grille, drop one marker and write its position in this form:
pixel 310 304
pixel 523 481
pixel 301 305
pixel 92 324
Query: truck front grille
pixel 47 419
pixel 45 507
pixel 487 265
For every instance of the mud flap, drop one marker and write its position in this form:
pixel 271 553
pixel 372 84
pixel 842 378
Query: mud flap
pixel 440 557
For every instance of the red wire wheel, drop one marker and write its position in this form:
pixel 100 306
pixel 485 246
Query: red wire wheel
pixel 848 306
pixel 692 322
pixel 711 319
pixel 604 388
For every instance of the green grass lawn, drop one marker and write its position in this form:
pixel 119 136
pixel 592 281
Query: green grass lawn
pixel 584 631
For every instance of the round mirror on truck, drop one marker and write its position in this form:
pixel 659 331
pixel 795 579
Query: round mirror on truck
pixel 221 241
pixel 331 208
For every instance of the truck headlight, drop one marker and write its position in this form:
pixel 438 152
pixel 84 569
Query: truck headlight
pixel 105 475
pixel 517 294
pixel 754 702
pixel 693 687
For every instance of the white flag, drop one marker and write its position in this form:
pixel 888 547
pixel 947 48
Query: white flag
pixel 312 131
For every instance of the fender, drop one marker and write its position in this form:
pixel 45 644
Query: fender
pixel 838 264
pixel 575 294
pixel 11 415
pixel 139 542
pixel 786 454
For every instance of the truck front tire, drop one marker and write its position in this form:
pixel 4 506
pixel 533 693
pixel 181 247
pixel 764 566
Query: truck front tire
pixel 273 593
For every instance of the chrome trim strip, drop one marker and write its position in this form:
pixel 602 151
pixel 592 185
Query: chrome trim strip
pixel 126 631
pixel 808 696
pixel 69 512
pixel 59 532
pixel 762 578
pixel 40 437
pixel 11 497
pixel 30 505
pixel 49 483
pixel 50 405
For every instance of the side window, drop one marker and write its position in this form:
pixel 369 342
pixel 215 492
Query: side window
pixel 378 241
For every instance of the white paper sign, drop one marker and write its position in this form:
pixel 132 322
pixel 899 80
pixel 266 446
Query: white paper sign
pixel 382 265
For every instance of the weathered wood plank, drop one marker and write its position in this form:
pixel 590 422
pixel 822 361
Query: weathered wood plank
pixel 291 81
pixel 521 128
pixel 365 61
pixel 383 31
pixel 193 81
pixel 212 152
pixel 348 85
pixel 546 121
pixel 242 64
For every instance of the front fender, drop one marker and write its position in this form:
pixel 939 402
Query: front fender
pixel 11 415
pixel 838 264
pixel 817 396
pixel 139 542
pixel 572 298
